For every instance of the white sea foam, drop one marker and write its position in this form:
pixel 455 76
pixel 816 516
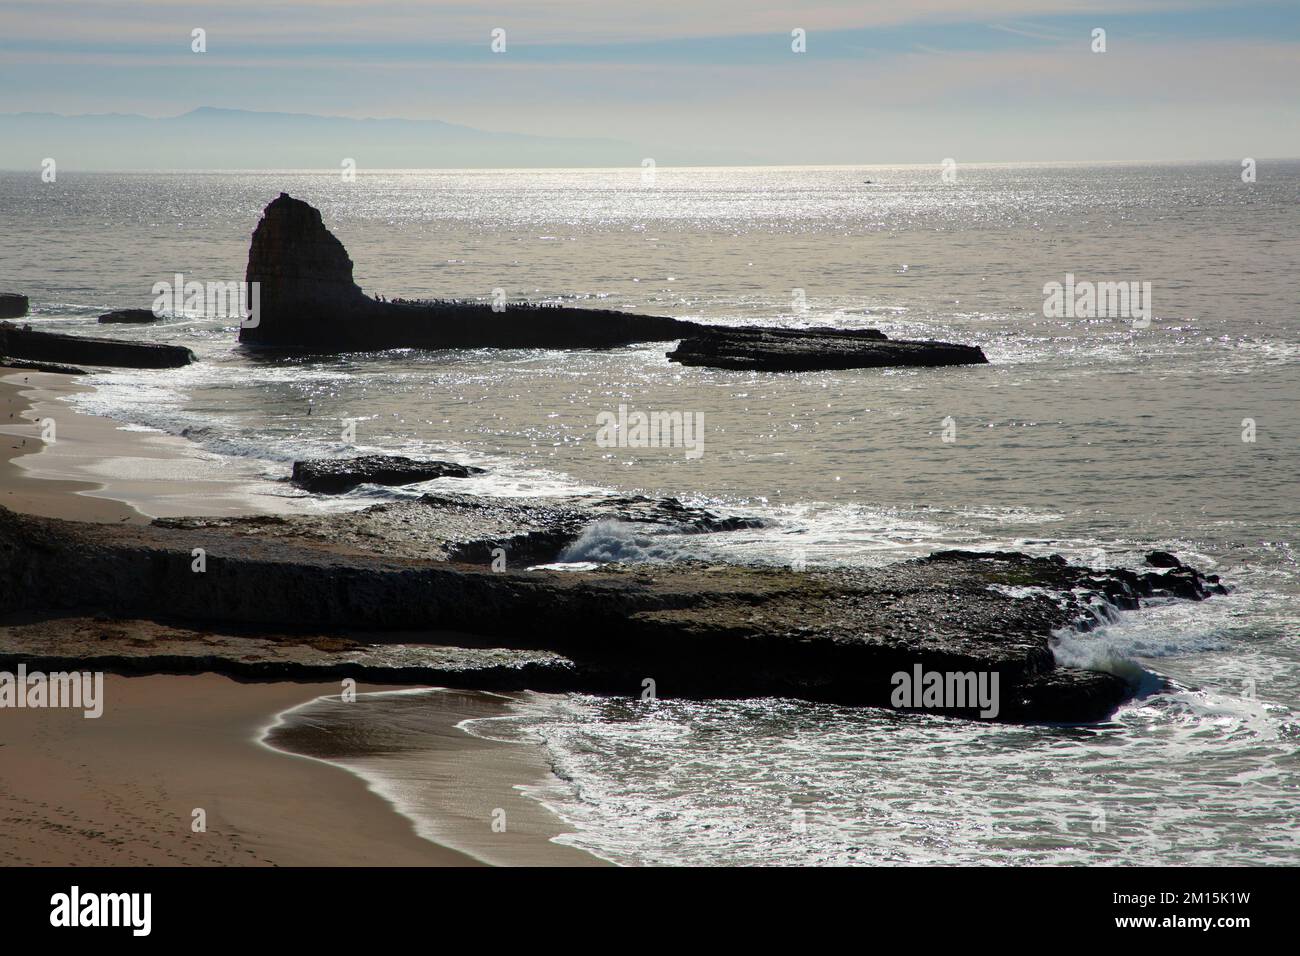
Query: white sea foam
pixel 769 781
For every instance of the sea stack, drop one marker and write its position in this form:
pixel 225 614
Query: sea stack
pixel 310 302
pixel 306 288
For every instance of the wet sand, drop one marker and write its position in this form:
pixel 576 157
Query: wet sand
pixel 20 435
pixel 122 789
pixel 95 469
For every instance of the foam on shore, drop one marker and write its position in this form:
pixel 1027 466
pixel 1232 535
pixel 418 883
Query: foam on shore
pixel 153 474
pixel 458 789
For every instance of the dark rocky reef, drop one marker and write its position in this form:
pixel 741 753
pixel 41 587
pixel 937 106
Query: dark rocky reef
pixel 132 316
pixel 1181 580
pixel 334 476
pixel 471 528
pixel 148 647
pixel 13 305
pixel 41 367
pixel 309 302
pixel 24 343
pixel 750 349
pixel 699 631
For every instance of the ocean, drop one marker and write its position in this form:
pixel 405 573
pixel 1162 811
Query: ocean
pixel 1095 437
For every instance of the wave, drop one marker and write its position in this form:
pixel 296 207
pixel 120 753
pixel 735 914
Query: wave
pixel 770 781
pixel 610 541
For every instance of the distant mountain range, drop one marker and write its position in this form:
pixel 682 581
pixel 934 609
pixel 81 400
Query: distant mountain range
pixel 211 138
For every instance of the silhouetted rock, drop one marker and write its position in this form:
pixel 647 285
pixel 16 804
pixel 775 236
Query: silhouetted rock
pixel 25 343
pixel 13 305
pixel 753 349
pixel 309 302
pixel 41 367
pixel 332 476
pixel 1163 559
pixel 139 316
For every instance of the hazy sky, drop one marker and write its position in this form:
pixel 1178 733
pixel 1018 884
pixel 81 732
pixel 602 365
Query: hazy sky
pixel 913 81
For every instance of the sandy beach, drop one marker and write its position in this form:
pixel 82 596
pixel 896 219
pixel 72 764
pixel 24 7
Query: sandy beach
pixel 20 427
pixel 97 470
pixel 122 789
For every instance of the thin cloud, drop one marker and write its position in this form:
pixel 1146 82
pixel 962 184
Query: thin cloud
pixel 1033 34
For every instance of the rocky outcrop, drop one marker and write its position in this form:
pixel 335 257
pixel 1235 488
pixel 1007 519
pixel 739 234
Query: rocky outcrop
pixel 750 349
pixel 306 291
pixel 475 529
pixel 147 647
pixel 698 630
pixel 1180 579
pixel 21 365
pixel 132 316
pixel 334 476
pixel 1162 559
pixel 309 302
pixel 13 305
pixel 25 343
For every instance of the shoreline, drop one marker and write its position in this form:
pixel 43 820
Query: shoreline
pixel 138 474
pixel 120 789
pixel 423 775
pixel 47 495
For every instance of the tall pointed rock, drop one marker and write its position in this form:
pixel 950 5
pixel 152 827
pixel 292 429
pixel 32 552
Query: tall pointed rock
pixel 304 276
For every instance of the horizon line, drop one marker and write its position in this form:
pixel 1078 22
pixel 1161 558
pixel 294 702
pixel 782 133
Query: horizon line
pixel 377 170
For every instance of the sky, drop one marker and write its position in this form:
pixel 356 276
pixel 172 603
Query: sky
pixel 879 82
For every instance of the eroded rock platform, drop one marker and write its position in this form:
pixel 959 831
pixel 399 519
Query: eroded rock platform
pixel 750 349
pixel 697 630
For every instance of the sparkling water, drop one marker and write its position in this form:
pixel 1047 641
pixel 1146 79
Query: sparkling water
pixel 1094 437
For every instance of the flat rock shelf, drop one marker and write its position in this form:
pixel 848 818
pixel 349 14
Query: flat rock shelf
pixel 380 594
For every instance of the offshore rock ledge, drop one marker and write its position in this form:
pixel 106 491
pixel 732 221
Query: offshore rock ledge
pixel 310 302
